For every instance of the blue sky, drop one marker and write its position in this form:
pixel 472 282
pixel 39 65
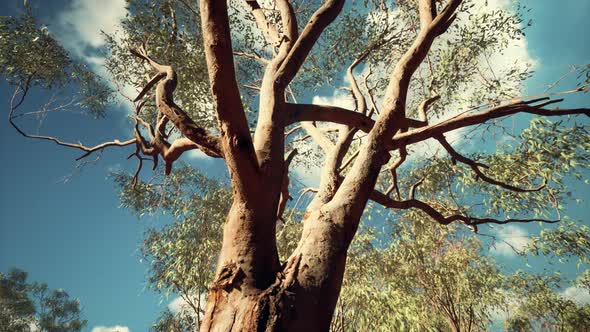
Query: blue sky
pixel 64 226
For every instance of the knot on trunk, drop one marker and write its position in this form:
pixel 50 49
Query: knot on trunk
pixel 230 276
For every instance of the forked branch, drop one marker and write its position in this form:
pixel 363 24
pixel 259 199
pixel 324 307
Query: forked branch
pixel 166 81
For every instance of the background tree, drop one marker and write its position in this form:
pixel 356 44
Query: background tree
pixel 424 63
pixel 34 307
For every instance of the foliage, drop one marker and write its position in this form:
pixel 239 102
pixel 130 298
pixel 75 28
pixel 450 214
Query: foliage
pixel 539 306
pixel 171 322
pixel 568 240
pixel 34 307
pixel 30 56
pixel 175 39
pixel 424 278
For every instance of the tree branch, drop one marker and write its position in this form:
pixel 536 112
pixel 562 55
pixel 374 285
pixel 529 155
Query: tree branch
pixel 87 150
pixel 475 166
pixel 235 139
pixel 268 29
pixel 334 114
pixel 166 81
pixel 307 39
pixel 469 119
pixel 471 222
pixel 285 187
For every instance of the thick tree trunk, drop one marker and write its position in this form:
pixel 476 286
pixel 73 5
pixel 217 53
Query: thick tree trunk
pixel 299 296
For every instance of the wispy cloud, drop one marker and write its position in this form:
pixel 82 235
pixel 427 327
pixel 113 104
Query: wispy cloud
pixel 116 328
pixel 79 28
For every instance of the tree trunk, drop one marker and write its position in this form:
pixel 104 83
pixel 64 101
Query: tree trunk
pixel 299 296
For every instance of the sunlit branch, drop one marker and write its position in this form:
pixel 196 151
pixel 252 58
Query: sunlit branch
pixel 269 30
pixel 403 153
pixel 165 81
pixel 285 186
pixel 468 119
pixel 427 208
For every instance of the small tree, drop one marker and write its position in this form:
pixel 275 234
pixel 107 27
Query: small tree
pixel 424 61
pixel 33 307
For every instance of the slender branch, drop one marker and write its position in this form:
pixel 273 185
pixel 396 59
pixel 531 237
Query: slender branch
pixel 87 150
pixel 253 57
pixel 289 20
pixel 285 186
pixel 403 153
pixel 309 126
pixel 269 30
pixel 424 108
pixel 471 222
pixel 469 119
pixel 475 166
pixel 166 81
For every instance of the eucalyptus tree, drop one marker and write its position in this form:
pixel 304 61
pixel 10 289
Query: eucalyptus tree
pixel 426 65
pixel 33 306
pixel 415 276
pixel 538 306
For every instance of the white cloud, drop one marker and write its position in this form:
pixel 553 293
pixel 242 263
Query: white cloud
pixel 79 29
pixel 509 239
pixel 80 25
pixel 179 304
pixel 197 154
pixel 337 99
pixel 577 294
pixel 116 328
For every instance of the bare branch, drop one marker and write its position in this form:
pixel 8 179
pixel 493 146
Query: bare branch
pixel 471 222
pixel 256 57
pixel 469 119
pixel 268 29
pixel 403 153
pixel 475 167
pixel 285 186
pixel 309 126
pixel 424 108
pixel 415 187
pixel 166 81
pixel 289 20
pixel 87 150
